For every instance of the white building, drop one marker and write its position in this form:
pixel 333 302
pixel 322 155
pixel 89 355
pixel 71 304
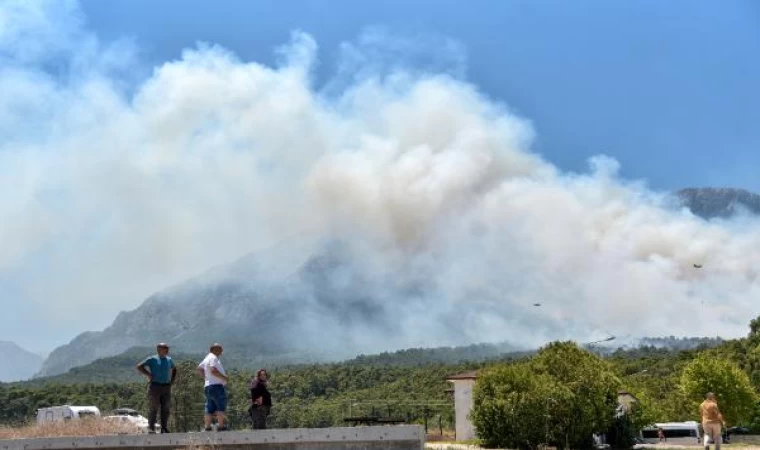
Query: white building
pixel 463 384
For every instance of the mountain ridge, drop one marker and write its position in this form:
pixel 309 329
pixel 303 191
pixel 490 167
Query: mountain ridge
pixel 283 310
pixel 710 203
pixel 20 364
pixel 316 308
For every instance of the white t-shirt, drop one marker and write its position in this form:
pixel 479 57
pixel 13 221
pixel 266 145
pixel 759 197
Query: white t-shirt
pixel 211 360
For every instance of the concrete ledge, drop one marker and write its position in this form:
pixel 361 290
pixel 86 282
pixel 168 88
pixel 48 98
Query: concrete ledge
pixel 402 437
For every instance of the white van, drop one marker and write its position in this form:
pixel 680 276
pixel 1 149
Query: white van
pixel 66 412
pixel 675 433
pixel 130 418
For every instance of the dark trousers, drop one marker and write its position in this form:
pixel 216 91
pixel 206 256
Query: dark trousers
pixel 259 417
pixel 159 395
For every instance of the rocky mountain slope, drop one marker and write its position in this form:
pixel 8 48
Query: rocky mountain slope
pixel 299 305
pixel 325 307
pixel 19 364
pixel 710 203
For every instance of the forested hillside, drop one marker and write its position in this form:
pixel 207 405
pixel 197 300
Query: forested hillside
pixel 121 368
pixel 304 396
pixel 408 384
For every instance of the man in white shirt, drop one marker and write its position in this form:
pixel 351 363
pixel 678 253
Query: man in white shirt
pixel 212 371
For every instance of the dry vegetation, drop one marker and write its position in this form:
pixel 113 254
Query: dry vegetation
pixel 89 427
pixel 446 436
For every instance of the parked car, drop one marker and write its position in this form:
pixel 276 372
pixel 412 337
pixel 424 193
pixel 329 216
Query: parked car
pixel 673 433
pixel 733 430
pixel 129 416
pixel 66 412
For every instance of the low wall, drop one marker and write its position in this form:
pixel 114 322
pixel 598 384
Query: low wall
pixel 403 437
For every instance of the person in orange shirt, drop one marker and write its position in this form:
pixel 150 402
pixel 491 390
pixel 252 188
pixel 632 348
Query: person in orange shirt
pixel 712 420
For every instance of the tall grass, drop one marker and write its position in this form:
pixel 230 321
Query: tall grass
pixel 85 427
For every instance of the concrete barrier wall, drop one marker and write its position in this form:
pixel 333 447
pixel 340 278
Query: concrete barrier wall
pixel 403 437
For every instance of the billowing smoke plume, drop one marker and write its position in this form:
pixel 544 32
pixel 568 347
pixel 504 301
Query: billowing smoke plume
pixel 112 189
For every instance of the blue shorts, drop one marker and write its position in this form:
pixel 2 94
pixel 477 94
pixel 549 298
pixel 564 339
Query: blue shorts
pixel 216 399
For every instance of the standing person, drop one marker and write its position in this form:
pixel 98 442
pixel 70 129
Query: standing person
pixel 215 377
pixel 261 400
pixel 712 420
pixel 161 372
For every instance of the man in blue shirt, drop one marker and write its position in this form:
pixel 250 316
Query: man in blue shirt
pixel 161 372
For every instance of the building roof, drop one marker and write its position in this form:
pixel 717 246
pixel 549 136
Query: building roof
pixel 626 393
pixel 471 375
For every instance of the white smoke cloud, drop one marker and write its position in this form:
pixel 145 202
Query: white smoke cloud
pixel 109 194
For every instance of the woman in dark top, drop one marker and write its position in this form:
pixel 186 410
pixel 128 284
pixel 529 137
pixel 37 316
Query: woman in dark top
pixel 261 400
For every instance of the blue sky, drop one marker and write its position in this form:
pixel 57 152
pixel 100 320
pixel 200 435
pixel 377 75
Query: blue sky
pixel 668 88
